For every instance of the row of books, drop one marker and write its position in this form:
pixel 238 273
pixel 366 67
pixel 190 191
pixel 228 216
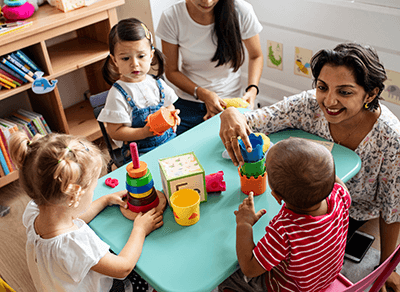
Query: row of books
pixel 16 69
pixel 30 122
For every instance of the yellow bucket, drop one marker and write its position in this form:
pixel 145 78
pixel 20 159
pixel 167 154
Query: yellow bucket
pixel 186 206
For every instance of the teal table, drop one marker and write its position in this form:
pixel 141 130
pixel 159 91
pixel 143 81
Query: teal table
pixel 199 257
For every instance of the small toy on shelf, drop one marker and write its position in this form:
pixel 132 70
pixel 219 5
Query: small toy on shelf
pixel 215 182
pixel 236 102
pixel 14 10
pixel 160 121
pixel 183 171
pixel 142 195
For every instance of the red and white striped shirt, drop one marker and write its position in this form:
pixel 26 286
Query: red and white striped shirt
pixel 302 252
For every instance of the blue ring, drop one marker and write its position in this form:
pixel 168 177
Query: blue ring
pixel 13 3
pixel 140 190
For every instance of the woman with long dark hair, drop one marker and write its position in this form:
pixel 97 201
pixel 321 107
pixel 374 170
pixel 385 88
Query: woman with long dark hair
pixel 210 37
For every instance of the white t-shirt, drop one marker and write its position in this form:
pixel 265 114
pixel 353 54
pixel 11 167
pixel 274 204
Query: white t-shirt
pixel 144 94
pixel 197 47
pixel 63 263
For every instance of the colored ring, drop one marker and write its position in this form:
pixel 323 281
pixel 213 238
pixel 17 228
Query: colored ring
pixel 139 182
pixel 140 190
pixel 137 172
pixel 140 195
pixel 12 3
pixel 143 201
pixel 144 209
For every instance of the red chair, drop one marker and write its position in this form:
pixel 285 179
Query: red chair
pixel 377 277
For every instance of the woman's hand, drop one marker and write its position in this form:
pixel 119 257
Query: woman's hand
pixel 148 222
pixel 393 283
pixel 213 102
pixel 234 125
pixel 250 97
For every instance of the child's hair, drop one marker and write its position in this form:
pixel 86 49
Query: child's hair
pixel 230 46
pixel 302 172
pixel 52 167
pixel 363 61
pixel 127 30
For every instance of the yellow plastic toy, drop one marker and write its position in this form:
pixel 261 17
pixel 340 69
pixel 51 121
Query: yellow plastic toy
pixel 236 102
pixel 267 141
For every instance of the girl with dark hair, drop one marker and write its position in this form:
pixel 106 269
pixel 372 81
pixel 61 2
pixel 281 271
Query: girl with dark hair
pixel 210 36
pixel 344 108
pixel 135 94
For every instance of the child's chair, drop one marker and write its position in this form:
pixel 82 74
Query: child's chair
pixel 97 101
pixel 377 277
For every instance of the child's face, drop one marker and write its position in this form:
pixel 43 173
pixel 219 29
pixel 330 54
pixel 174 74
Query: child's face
pixel 133 59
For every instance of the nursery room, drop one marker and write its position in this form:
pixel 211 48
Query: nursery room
pixel 187 195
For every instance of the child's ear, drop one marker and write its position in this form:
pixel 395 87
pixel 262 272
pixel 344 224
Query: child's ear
pixel 277 197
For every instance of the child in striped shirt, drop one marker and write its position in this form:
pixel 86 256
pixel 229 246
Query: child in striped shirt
pixel 304 244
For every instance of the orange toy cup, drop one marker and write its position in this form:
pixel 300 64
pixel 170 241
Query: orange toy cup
pixel 160 121
pixel 186 206
pixel 256 185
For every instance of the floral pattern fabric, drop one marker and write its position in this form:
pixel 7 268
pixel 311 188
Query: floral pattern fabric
pixel 375 189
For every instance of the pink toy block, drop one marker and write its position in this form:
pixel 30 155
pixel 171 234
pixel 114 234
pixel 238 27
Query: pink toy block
pixel 215 182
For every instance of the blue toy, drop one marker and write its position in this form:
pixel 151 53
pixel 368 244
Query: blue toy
pixel 41 85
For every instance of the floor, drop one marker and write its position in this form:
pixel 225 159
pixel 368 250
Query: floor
pixel 14 271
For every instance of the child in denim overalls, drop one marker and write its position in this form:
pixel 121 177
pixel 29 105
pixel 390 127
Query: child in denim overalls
pixel 135 94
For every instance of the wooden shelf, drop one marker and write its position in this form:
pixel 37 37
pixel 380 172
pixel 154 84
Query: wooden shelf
pixel 81 121
pixel 74 54
pixel 87 50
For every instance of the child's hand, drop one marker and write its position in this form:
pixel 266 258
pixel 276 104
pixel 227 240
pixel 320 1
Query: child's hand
pixel 246 213
pixel 117 199
pixel 177 119
pixel 149 221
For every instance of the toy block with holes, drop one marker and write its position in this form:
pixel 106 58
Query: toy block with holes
pixel 183 171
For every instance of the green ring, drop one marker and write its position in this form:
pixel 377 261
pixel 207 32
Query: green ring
pixel 139 182
pixel 253 169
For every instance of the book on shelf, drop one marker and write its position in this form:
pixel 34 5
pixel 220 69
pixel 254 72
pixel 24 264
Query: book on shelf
pixel 20 25
pixel 28 121
pixel 5 135
pixel 4 158
pixel 24 124
pixel 16 69
pixel 23 57
pixel 20 66
pixel 11 78
pixel 7 81
pixel 2 171
pixel 21 126
pixel 13 73
pixel 35 118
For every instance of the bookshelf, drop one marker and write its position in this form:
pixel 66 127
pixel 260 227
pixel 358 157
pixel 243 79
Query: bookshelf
pixel 87 49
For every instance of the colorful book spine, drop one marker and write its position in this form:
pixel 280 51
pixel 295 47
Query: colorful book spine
pixel 15 80
pixel 2 171
pixel 25 123
pixel 28 121
pixel 5 80
pixel 15 74
pixel 12 67
pixel 21 127
pixel 35 119
pixel 20 66
pixel 5 85
pixel 45 124
pixel 5 136
pixel 27 60
pixel 3 159
pixel 14 56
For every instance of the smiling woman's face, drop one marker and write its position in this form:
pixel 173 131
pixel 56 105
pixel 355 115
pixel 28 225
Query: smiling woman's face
pixel 339 96
pixel 204 6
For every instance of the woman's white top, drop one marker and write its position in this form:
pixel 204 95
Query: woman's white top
pixel 144 94
pixel 63 263
pixel 198 44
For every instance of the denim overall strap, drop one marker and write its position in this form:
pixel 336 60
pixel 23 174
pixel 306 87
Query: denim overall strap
pixel 139 121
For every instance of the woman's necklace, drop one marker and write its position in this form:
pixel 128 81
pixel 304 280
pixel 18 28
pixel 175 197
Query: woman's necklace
pixel 352 131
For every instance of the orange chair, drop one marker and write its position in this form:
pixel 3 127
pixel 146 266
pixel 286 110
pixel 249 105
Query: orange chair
pixel 378 277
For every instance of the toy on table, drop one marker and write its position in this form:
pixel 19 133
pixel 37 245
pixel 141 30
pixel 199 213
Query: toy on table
pixel 111 182
pixel 14 10
pixel 160 121
pixel 253 175
pixel 183 171
pixel 142 195
pixel 215 182
pixel 236 102
pixel 185 204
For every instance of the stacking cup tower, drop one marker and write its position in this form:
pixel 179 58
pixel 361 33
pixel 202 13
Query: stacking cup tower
pixel 142 195
pixel 253 176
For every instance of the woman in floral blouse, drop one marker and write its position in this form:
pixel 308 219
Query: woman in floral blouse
pixel 344 108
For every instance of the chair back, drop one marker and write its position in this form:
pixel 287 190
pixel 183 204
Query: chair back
pixel 378 277
pixel 98 101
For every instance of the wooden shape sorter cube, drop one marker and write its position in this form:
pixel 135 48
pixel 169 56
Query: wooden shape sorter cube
pixel 183 171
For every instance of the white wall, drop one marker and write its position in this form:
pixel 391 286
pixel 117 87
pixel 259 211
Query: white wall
pixel 316 24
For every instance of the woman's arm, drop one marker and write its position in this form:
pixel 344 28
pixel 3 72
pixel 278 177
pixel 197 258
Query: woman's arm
pixel 256 62
pixel 121 132
pixel 212 101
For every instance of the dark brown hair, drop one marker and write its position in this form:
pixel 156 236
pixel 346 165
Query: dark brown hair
pixel 300 171
pixel 226 28
pixel 363 61
pixel 130 29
